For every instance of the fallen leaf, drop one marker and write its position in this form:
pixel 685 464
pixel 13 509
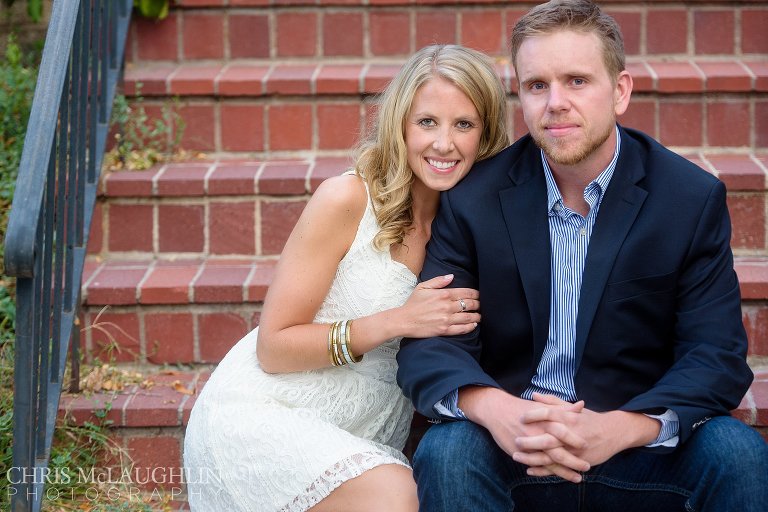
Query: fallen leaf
pixel 178 386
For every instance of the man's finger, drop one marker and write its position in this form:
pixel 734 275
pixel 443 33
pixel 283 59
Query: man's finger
pixel 533 459
pixel 539 442
pixel 559 456
pixel 553 400
pixel 565 458
pixel 554 469
pixel 559 431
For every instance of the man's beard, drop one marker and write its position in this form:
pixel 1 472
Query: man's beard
pixel 558 152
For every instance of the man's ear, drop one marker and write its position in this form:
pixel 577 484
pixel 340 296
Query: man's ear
pixel 622 92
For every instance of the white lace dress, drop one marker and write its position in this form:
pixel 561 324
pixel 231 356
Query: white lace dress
pixel 261 442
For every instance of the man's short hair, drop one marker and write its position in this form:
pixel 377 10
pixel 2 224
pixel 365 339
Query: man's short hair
pixel 580 15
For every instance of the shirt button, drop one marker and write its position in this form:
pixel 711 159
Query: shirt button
pixel 583 232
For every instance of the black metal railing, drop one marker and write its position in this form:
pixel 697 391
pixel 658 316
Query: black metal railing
pixel 50 217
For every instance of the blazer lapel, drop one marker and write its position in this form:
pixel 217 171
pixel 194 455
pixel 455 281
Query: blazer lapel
pixel 524 207
pixel 620 206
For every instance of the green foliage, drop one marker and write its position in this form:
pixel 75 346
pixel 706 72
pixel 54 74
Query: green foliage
pixel 6 417
pixel 155 9
pixel 141 141
pixel 7 312
pixel 34 8
pixel 17 86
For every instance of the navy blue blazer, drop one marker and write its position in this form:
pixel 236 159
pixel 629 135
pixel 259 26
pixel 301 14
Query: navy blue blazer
pixel 659 324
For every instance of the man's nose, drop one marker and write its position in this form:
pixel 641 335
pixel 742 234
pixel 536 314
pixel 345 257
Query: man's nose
pixel 558 98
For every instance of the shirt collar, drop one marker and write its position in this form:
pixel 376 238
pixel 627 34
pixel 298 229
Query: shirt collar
pixel 601 182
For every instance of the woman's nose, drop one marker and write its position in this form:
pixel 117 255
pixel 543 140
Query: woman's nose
pixel 443 141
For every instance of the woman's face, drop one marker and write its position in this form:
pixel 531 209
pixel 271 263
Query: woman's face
pixel 442 134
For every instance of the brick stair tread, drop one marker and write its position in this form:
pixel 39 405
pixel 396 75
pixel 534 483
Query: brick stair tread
pixel 257 78
pixel 176 281
pixel 227 281
pixel 294 176
pixel 753 277
pixel 191 311
pixel 229 177
pixel 169 401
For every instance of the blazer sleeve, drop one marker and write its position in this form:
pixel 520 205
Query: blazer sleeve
pixel 430 368
pixel 710 374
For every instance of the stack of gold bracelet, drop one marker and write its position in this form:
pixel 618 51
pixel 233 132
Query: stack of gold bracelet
pixel 339 340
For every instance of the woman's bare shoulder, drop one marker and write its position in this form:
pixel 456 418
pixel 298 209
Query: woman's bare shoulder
pixel 344 195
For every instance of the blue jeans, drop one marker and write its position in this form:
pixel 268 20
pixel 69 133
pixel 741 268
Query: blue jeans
pixel 723 467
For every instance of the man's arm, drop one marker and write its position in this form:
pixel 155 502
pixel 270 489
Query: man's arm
pixel 710 374
pixel 431 368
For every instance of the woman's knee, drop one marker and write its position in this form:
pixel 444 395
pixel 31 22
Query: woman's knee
pixel 385 488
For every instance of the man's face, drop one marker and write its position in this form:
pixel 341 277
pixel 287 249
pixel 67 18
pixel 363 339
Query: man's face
pixel 569 101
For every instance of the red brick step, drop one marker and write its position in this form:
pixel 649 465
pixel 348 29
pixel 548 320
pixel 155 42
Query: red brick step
pixel 263 108
pixel 205 208
pixel 243 208
pixel 333 29
pixel 165 312
pixel 149 423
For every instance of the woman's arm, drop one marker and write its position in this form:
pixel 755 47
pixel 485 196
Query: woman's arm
pixel 289 341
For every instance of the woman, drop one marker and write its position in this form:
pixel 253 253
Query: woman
pixel 304 412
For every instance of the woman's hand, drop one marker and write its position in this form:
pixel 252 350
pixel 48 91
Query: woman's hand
pixel 433 310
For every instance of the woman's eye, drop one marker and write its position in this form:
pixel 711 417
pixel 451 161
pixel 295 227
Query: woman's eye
pixel 464 125
pixel 427 122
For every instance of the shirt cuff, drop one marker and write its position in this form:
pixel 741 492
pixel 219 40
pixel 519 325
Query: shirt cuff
pixel 670 427
pixel 448 407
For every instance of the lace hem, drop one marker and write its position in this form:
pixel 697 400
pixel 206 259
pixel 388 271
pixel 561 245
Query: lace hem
pixel 346 469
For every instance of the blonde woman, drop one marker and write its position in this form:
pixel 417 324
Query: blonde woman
pixel 304 412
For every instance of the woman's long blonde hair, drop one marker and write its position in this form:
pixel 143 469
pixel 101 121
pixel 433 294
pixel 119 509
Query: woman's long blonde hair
pixel 381 156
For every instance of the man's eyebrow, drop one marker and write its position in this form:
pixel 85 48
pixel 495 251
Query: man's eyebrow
pixel 567 75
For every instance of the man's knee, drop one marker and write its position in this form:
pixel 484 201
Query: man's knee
pixel 731 447
pixel 453 449
pixel 443 445
pixel 459 467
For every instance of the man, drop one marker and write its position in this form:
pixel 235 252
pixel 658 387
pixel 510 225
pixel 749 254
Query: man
pixel 611 346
